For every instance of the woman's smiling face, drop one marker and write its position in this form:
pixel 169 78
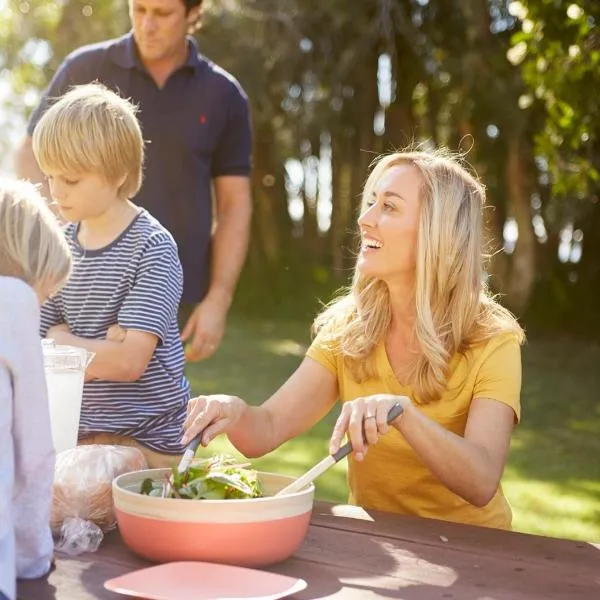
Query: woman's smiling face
pixel 389 225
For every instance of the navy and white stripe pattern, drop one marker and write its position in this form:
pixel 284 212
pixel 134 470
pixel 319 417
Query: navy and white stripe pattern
pixel 136 282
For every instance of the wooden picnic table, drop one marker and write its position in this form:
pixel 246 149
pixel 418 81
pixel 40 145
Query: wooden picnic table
pixel 354 554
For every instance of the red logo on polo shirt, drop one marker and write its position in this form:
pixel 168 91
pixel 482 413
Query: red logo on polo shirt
pixel 202 119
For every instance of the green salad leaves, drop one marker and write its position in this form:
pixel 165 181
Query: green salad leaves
pixel 216 478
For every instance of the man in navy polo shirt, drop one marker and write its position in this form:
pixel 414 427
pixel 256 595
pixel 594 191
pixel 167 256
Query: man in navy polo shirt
pixel 195 120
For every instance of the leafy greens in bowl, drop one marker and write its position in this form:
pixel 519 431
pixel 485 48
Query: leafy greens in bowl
pixel 217 478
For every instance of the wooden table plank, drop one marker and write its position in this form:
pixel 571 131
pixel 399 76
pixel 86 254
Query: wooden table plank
pixel 352 554
pixel 466 538
pixel 408 567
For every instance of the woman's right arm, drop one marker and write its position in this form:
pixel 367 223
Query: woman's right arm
pixel 301 402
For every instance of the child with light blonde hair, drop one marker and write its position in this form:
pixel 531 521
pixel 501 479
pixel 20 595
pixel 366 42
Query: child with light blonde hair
pixel 122 299
pixel 35 260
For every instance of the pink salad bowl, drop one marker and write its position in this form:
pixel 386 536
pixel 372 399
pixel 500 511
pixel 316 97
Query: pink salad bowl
pixel 248 533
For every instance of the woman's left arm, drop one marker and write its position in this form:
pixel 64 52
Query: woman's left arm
pixel 470 466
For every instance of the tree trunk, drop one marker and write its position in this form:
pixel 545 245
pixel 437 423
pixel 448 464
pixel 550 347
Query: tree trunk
pixel 271 222
pixel 361 147
pixel 341 204
pixel 400 124
pixel 521 276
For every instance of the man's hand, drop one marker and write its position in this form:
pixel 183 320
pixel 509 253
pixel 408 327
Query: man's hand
pixel 205 329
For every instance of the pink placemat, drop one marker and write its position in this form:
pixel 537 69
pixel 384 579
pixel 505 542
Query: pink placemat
pixel 204 581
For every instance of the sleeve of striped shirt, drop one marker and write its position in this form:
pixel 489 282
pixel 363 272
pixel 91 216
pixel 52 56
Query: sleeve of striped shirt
pixel 50 316
pixel 152 303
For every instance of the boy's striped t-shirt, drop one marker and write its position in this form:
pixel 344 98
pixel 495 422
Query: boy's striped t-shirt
pixel 136 282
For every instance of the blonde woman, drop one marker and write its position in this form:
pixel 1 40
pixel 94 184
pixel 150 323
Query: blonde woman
pixel 34 262
pixel 417 327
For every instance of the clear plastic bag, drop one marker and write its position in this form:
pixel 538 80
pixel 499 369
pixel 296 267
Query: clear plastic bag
pixel 77 536
pixel 82 503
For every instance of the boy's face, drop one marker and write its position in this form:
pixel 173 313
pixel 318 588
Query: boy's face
pixel 82 197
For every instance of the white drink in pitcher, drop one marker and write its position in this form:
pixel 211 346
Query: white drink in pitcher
pixel 65 389
pixel 65 367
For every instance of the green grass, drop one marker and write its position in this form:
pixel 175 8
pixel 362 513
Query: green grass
pixel 553 476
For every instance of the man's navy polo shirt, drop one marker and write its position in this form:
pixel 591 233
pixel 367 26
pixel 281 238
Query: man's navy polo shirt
pixel 196 127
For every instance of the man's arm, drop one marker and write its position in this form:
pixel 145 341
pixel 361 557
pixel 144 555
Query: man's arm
pixel 231 176
pixel 26 167
pixel 206 326
pixel 231 235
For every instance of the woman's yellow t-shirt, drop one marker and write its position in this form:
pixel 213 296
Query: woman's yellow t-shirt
pixel 391 477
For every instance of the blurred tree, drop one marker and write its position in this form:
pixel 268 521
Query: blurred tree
pixel 558 50
pixel 332 84
pixel 311 69
pixel 36 35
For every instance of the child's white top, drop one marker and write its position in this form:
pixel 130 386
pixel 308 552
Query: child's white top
pixel 26 448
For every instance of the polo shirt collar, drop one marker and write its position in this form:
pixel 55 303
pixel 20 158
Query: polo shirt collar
pixel 124 53
pixel 193 57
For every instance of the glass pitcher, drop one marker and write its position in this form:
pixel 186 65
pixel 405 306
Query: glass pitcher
pixel 65 367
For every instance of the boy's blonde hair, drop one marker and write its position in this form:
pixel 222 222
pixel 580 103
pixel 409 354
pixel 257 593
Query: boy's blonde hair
pixel 454 308
pixel 33 247
pixel 92 130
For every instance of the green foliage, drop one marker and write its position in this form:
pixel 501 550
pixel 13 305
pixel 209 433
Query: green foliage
pixel 558 48
pixel 26 29
pixel 311 71
pixel 290 290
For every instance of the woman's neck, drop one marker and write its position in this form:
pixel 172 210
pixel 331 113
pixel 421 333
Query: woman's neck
pixel 403 304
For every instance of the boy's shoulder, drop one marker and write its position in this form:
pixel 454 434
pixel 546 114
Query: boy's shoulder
pixel 151 230
pixel 144 231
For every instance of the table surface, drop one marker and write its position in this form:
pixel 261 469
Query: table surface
pixel 350 554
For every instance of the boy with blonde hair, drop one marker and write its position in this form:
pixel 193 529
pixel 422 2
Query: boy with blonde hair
pixel 34 262
pixel 122 298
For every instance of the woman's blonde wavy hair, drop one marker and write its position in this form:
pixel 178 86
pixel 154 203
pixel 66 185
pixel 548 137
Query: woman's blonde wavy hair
pixel 33 247
pixel 454 309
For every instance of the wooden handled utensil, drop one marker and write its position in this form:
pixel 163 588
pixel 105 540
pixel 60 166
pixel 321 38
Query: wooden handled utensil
pixel 330 460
